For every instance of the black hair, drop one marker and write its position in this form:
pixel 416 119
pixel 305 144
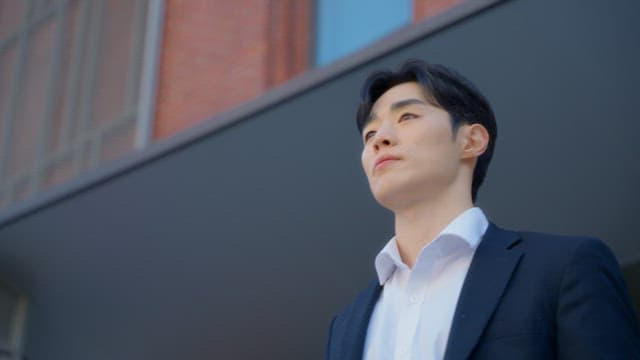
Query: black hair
pixel 444 88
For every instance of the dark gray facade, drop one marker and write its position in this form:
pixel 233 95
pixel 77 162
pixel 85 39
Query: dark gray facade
pixel 242 242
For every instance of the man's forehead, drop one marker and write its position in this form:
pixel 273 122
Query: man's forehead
pixel 397 97
pixel 399 92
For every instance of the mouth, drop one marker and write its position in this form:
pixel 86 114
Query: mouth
pixel 384 160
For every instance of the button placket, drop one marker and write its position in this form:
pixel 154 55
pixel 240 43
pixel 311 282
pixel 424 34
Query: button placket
pixel 403 353
pixel 409 316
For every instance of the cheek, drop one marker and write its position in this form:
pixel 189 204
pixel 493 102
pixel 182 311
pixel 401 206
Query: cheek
pixel 365 159
pixel 434 148
pixel 439 137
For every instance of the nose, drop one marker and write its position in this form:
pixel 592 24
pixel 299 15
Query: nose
pixel 385 136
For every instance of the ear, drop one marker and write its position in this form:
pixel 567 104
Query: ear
pixel 475 140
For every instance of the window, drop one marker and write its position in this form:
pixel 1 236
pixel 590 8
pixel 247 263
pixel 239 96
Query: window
pixel 70 85
pixel 345 26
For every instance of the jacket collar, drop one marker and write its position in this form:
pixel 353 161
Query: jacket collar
pixel 358 323
pixel 493 264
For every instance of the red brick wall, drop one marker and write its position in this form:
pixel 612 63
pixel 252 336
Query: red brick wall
pixel 289 38
pixel 217 54
pixel 424 8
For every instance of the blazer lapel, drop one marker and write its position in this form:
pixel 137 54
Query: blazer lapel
pixel 493 263
pixel 356 329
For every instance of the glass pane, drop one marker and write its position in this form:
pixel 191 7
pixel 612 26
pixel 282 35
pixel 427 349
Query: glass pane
pixel 7 70
pixel 58 171
pixel 30 108
pixel 345 26
pixel 117 142
pixel 119 44
pixel 65 105
pixel 12 13
pixel 41 8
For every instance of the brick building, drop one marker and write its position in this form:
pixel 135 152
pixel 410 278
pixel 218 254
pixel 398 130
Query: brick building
pixel 84 82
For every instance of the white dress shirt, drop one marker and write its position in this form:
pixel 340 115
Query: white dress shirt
pixel 413 315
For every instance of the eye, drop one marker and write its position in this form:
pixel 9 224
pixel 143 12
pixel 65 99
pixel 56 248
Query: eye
pixel 407 116
pixel 368 135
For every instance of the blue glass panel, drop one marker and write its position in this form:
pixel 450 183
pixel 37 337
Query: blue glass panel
pixel 344 26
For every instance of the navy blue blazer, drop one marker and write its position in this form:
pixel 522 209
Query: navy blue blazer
pixel 526 296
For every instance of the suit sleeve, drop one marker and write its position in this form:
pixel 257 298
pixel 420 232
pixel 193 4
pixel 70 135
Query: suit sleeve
pixel 595 316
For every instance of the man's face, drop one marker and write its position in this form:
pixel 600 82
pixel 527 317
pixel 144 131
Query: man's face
pixel 410 153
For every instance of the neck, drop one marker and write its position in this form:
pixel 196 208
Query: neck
pixel 417 225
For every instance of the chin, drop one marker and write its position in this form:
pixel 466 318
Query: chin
pixel 399 194
pixel 392 198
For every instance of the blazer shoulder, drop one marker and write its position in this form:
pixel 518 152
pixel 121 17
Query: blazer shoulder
pixel 550 253
pixel 555 239
pixel 561 246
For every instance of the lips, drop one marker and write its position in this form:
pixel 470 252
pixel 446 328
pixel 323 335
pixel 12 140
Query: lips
pixel 385 159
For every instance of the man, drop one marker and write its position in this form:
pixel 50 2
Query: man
pixel 450 284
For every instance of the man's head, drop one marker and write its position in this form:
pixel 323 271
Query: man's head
pixel 409 107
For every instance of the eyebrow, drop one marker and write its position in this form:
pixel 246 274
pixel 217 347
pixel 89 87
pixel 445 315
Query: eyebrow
pixel 397 106
pixel 402 103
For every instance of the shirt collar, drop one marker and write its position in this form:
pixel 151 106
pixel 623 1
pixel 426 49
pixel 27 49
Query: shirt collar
pixel 470 225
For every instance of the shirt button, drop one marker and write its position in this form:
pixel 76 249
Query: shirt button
pixel 414 299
